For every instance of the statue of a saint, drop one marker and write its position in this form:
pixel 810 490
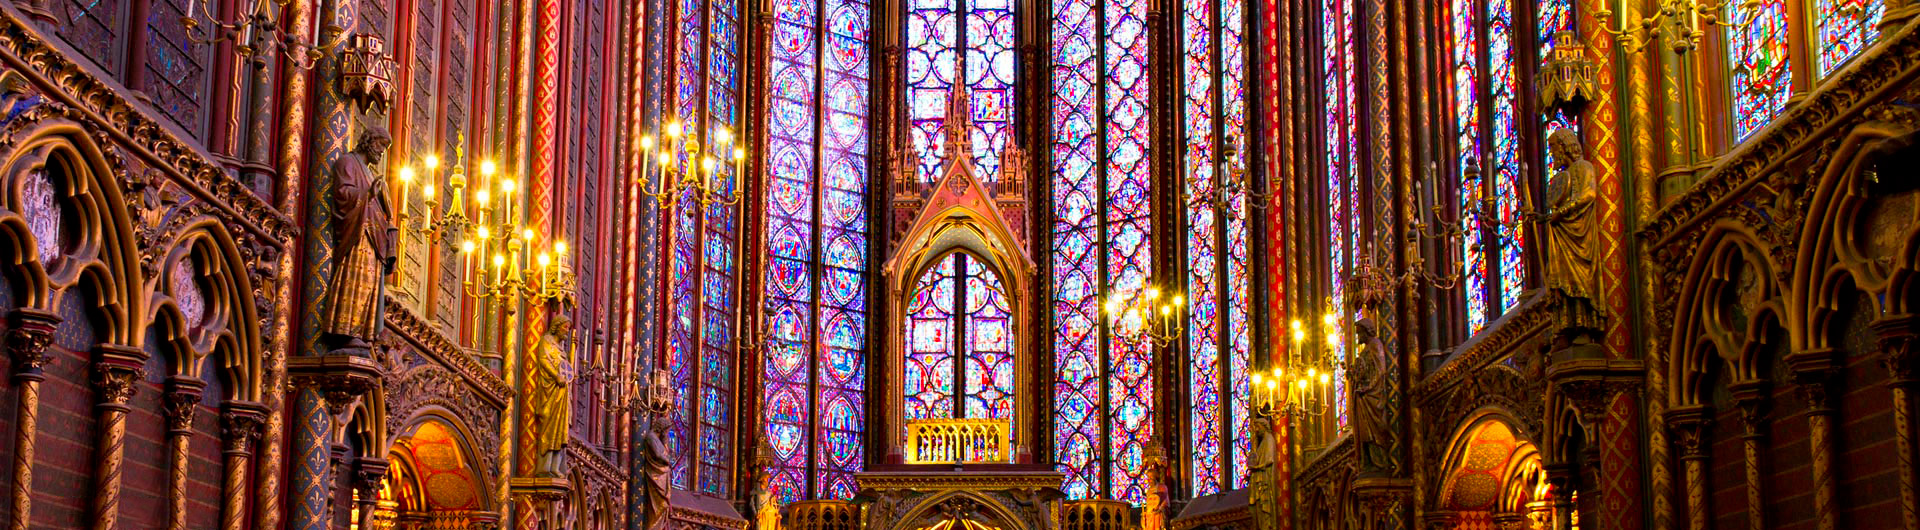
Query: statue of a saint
pixel 652 456
pixel 1263 489
pixel 761 502
pixel 1570 228
pixel 548 399
pixel 1153 508
pixel 1372 436
pixel 363 240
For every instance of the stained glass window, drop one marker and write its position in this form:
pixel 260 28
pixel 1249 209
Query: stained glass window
pixel 814 373
pixel 966 41
pixel 1843 28
pixel 1100 233
pixel 959 343
pixel 1760 76
pixel 1488 138
pixel 1213 57
pixel 1340 77
pixel 1554 22
pixel 701 290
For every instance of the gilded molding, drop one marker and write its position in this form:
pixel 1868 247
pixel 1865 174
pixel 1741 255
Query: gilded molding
pixel 427 339
pixel 105 105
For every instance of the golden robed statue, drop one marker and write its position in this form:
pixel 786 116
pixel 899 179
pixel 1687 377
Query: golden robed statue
pixel 548 398
pixel 363 241
pixel 1570 228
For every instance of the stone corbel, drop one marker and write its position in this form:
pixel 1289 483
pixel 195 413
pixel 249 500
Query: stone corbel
pixel 1591 384
pixel 29 332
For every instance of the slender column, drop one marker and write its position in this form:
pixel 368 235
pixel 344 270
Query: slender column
pixel 115 374
pixel 1751 397
pixel 1897 346
pixel 242 422
pixel 181 401
pixel 308 484
pixel 368 474
pixel 1813 374
pixel 28 336
pixel 1689 425
pixel 1561 493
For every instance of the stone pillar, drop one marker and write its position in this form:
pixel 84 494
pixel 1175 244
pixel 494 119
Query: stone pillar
pixel 1559 489
pixel 1897 348
pixel 181 402
pixel 1752 398
pixel 307 481
pixel 29 333
pixel 242 423
pixel 1813 374
pixel 115 378
pixel 369 474
pixel 1690 425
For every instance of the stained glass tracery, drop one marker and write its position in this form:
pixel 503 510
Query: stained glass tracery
pixel 1760 76
pixel 1102 388
pixel 959 343
pixel 1487 135
pixel 701 283
pixel 968 42
pixel 1219 346
pixel 816 263
pixel 1843 28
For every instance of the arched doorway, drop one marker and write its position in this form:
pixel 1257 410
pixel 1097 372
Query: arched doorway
pixel 431 481
pixel 1494 479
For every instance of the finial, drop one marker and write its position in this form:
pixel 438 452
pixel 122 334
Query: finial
pixel 958 123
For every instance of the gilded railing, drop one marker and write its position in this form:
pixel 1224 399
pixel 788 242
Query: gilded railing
pixel 1097 514
pixel 821 515
pixel 958 441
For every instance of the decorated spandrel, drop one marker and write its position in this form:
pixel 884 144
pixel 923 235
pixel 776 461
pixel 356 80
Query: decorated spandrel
pixel 817 223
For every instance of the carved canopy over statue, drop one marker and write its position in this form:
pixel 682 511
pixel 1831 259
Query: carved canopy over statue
pixel 363 242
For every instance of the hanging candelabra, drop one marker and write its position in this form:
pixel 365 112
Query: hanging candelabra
pixel 501 258
pixel 1233 184
pixel 1145 316
pixel 1680 22
pixel 674 164
pixel 1301 385
pixel 259 29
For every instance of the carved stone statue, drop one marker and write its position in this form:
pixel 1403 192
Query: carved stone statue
pixel 1153 508
pixel 363 242
pixel 655 466
pixel 1263 488
pixel 1372 429
pixel 549 400
pixel 1570 226
pixel 762 503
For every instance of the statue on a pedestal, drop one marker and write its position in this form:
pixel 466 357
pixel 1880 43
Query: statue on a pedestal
pixel 1569 222
pixel 363 243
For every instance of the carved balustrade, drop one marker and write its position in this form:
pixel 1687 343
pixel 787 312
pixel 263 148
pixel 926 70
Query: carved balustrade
pixel 1097 514
pixel 821 515
pixel 959 441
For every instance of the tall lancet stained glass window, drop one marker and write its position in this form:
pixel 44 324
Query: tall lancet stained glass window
pixel 1842 28
pixel 1103 392
pixel 1485 83
pixel 960 41
pixel 1340 78
pixel 1219 343
pixel 1758 75
pixel 816 264
pixel 702 311
pixel 959 343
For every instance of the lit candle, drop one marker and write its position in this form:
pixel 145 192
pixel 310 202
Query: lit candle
pixel 406 185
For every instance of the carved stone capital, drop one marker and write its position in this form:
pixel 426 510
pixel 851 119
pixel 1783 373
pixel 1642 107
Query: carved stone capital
pixel 1590 384
pixel 1899 339
pixel 29 332
pixel 244 422
pixel 341 379
pixel 1814 372
pixel 1690 427
pixel 115 382
pixel 368 474
pixel 180 403
pixel 1754 398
